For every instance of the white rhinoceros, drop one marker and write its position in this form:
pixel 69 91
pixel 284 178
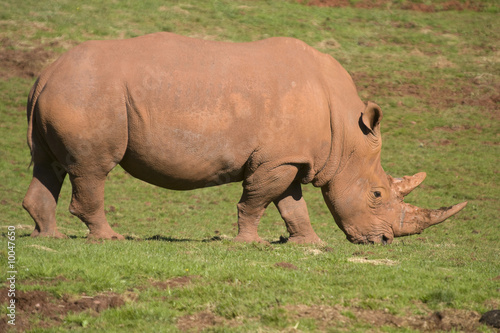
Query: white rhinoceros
pixel 184 113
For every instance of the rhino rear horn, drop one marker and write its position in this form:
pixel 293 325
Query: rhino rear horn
pixel 408 183
pixel 415 219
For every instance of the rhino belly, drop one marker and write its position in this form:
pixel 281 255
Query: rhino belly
pixel 182 160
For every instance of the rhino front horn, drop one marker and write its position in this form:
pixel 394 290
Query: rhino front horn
pixel 415 219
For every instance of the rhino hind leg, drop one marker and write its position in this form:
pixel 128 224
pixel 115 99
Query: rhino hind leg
pixel 41 199
pixel 293 210
pixel 87 203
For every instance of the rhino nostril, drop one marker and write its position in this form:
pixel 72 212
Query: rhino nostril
pixel 384 240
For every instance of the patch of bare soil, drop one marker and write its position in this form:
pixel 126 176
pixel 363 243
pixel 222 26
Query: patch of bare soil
pixel 199 321
pixel 202 320
pixel 49 310
pixel 176 282
pixel 24 62
pixel 286 265
pixel 474 5
pixel 327 316
pixel 491 318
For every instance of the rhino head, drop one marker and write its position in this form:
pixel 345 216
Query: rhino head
pixel 366 203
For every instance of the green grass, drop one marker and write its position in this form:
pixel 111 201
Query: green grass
pixel 435 75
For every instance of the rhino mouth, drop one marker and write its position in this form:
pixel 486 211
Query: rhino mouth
pixel 378 239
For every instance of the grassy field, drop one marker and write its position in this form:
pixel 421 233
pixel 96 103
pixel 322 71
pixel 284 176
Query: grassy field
pixel 436 76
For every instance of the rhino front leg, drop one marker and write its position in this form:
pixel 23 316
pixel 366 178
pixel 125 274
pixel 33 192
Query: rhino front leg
pixel 261 188
pixel 249 214
pixel 293 210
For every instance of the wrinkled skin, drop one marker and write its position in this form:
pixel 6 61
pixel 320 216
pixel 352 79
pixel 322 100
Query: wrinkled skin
pixel 183 113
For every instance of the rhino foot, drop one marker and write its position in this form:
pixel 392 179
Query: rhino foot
pixel 310 239
pixel 52 234
pixel 105 235
pixel 249 239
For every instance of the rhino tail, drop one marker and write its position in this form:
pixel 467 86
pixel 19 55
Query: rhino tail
pixel 31 108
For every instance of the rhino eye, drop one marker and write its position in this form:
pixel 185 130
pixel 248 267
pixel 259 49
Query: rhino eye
pixel 377 194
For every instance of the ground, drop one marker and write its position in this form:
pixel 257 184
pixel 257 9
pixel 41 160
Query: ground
pixel 40 309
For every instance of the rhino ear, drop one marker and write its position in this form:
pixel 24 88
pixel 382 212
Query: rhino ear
pixel 370 118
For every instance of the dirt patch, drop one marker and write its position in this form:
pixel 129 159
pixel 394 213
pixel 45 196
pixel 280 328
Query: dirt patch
pixel 48 310
pixel 335 316
pixel 459 128
pixel 176 282
pixel 328 44
pixel 16 61
pixel 286 265
pixel 473 5
pixel 199 321
pixel 443 142
pixel 491 318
